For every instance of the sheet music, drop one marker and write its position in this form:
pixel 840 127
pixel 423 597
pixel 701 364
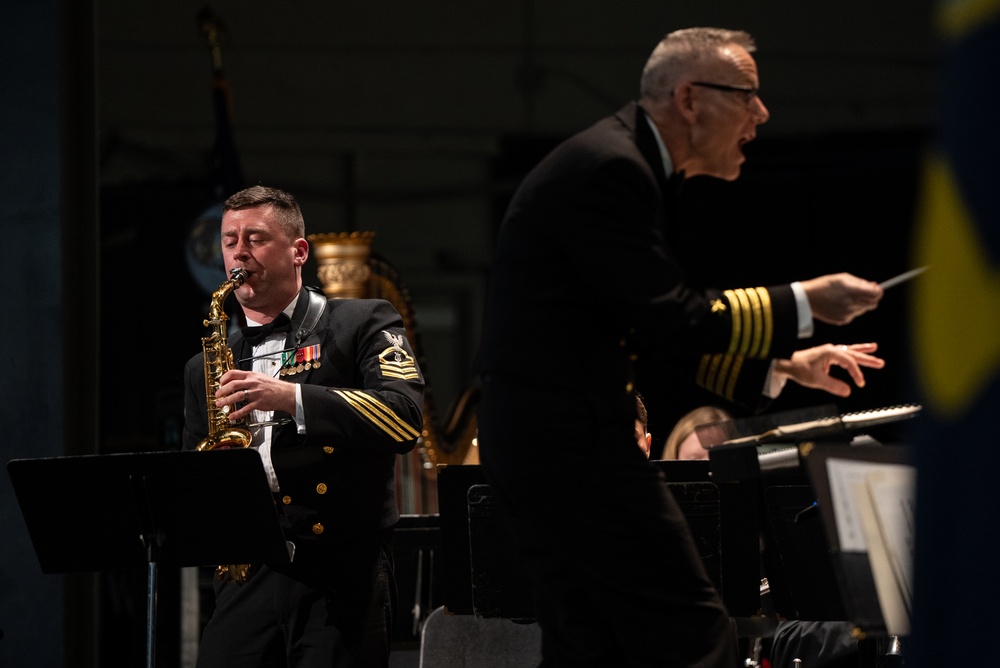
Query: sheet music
pixel 887 513
pixel 874 506
pixel 845 475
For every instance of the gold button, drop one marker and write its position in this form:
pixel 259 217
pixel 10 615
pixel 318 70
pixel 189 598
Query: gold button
pixel 328 449
pixel 321 488
pixel 317 528
pixel 286 499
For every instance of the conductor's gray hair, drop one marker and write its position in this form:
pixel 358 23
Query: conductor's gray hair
pixel 682 50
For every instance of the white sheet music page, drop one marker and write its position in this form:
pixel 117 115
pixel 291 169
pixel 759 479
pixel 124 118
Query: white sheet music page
pixel 874 506
pixel 887 516
pixel 845 475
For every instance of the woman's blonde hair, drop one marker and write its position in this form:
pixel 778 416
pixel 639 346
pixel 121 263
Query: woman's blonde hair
pixel 687 424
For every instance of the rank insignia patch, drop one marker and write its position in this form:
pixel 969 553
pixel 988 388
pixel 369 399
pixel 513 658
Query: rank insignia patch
pixel 394 361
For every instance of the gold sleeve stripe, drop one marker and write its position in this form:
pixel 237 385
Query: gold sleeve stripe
pixel 737 315
pixel 758 321
pixel 722 381
pixel 379 414
pixel 374 419
pixel 753 322
pixel 414 432
pixel 699 377
pixel 718 373
pixel 709 371
pixel 713 372
pixel 734 374
pixel 768 312
pixel 748 323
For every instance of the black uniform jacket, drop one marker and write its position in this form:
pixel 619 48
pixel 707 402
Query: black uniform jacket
pixel 585 285
pixel 362 407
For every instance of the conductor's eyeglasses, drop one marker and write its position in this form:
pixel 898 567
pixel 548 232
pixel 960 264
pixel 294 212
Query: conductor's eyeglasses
pixel 748 93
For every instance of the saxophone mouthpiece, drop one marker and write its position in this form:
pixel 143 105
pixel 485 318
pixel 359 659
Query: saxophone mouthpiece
pixel 238 274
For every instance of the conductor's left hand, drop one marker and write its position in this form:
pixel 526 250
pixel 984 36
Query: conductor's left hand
pixel 811 367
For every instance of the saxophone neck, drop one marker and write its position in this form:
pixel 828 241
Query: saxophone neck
pixel 217 312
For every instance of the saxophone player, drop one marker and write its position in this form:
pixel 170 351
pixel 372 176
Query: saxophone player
pixel 331 393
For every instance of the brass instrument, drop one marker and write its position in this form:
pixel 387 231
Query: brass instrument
pixel 218 360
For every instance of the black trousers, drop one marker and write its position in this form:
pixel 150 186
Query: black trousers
pixel 333 606
pixel 588 515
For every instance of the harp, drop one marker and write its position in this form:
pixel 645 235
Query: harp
pixel 349 269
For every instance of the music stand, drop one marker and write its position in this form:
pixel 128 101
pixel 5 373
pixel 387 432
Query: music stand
pixel 852 563
pixel 484 577
pixel 113 512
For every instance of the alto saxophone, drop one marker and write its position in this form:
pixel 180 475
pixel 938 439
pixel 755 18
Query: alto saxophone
pixel 222 434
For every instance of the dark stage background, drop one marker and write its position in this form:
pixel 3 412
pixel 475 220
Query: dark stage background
pixel 415 120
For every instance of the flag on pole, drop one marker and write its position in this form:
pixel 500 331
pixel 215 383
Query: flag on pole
pixel 955 324
pixel 204 244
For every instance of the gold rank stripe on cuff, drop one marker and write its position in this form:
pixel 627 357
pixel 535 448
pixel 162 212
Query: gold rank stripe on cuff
pixel 718 373
pixel 753 321
pixel 379 414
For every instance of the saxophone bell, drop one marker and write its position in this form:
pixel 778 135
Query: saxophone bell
pixel 235 437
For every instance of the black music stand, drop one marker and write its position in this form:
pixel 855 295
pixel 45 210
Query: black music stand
pixel 113 512
pixel 484 577
pixel 852 565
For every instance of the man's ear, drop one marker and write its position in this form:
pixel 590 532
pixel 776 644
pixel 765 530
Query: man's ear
pixel 301 247
pixel 684 101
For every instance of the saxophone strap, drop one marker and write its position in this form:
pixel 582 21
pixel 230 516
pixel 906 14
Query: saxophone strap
pixel 315 307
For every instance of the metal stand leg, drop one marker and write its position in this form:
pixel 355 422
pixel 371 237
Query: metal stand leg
pixel 894 655
pixel 151 614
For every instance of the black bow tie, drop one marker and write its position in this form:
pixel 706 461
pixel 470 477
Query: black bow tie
pixel 256 335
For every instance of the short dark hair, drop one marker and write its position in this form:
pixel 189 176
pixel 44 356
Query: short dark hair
pixel 640 411
pixel 284 204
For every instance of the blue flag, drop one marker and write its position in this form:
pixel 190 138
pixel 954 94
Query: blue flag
pixel 956 352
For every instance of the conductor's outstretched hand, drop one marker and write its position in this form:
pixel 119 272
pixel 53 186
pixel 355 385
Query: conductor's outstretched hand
pixel 811 367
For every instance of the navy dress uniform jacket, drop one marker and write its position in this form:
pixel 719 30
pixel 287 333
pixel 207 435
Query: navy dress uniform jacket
pixel 362 408
pixel 583 260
